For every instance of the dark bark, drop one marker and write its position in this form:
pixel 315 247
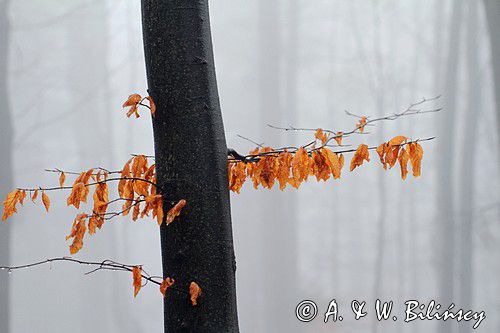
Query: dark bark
pixel 191 163
pixel 492 8
pixel 6 133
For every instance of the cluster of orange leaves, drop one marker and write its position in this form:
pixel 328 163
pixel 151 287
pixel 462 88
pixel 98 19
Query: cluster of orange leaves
pixel 393 150
pixel 133 102
pixel 293 168
pixel 136 188
pixel 18 196
pixel 194 288
pixel 137 181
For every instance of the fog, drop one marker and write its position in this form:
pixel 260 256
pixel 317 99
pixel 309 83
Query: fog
pixel 367 236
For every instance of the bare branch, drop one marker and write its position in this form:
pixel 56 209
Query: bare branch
pixel 103 265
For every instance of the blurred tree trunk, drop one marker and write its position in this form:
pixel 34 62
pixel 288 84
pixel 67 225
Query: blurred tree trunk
pixel 379 76
pixel 88 82
pixel 492 8
pixel 276 224
pixel 88 86
pixel 467 183
pixel 191 163
pixel 445 239
pixel 6 151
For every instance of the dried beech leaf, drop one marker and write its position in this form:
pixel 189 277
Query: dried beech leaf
pixel 360 155
pixel 175 211
pixel 46 201
pixel 403 162
pixel 194 292
pixel 137 279
pixel 62 178
pixel 168 282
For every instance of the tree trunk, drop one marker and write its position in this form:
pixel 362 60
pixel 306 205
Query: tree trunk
pixel 191 164
pixel 88 31
pixel 492 8
pixel 6 133
pixel 446 214
pixel 276 225
pixel 474 102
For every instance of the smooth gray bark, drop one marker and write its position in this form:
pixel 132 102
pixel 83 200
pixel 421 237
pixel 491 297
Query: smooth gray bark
pixel 87 80
pixel 6 169
pixel 191 164
pixel 467 181
pixel 445 222
pixel 275 302
pixel 492 8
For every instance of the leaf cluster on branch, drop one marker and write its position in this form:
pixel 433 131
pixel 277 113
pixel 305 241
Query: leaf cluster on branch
pixel 137 191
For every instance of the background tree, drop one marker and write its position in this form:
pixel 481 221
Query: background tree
pixel 237 73
pixel 492 10
pixel 6 177
pixel 446 207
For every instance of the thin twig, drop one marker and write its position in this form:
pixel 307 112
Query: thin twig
pixel 103 265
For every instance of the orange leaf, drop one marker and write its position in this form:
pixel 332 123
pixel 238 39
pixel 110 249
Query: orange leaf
pixel 284 163
pixel 195 292
pixel 382 151
pixel 360 155
pixel 137 276
pixel 76 194
pixel 22 195
pixel 392 155
pixel 46 201
pixel 132 102
pixel 333 162
pixel 403 162
pixel 94 223
pixel 168 282
pixel 300 167
pixel 397 140
pixel 175 211
pixel 34 195
pixel 237 176
pixel 320 166
pixel 159 212
pixel 338 138
pixel 135 212
pixel 341 160
pixel 9 205
pixel 139 166
pixel 361 124
pixel 62 178
pixel 416 154
pixel 152 106
pixel 321 136
pixel 77 233
pixel 125 174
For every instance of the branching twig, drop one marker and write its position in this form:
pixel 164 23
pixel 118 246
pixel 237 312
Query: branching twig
pixel 86 185
pixel 103 265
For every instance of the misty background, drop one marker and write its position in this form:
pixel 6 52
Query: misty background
pixel 66 68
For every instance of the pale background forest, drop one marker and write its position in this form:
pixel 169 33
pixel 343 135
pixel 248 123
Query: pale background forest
pixel 71 64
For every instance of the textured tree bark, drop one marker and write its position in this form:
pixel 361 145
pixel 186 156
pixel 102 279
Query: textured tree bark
pixel 191 164
pixel 492 8
pixel 6 133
